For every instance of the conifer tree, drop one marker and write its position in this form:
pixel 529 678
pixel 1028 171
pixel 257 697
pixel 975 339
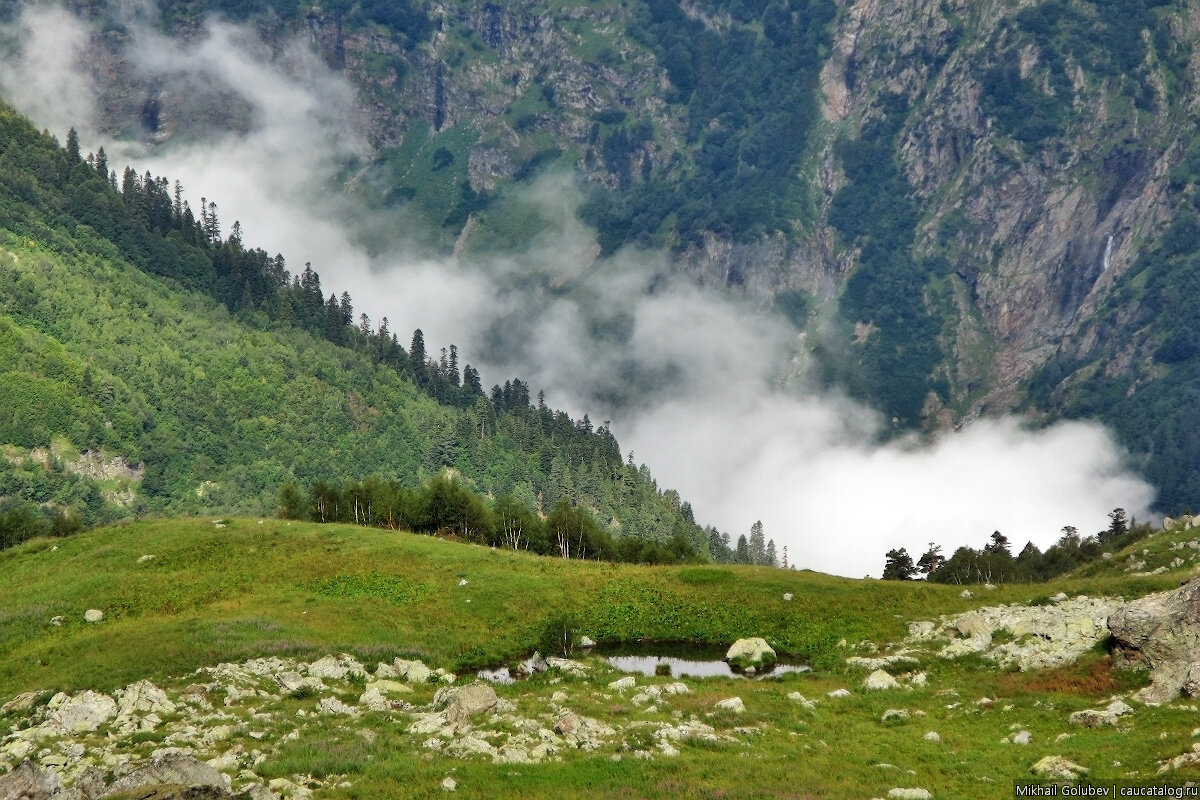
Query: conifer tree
pixel 758 545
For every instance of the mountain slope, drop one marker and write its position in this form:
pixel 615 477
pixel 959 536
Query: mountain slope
pixel 220 410
pixel 957 203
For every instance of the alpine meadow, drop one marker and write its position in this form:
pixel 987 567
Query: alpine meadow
pixel 404 400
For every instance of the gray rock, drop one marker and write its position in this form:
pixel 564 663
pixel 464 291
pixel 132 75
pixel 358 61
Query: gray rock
pixel 29 782
pixel 932 736
pixel 586 641
pixel 1057 768
pixel 1022 737
pixel 880 680
pixel 22 702
pixel 621 684
pixel 449 784
pixel 1162 631
pixel 93 615
pixel 413 671
pixel 84 712
pixel 752 652
pixel 174 769
pixel 909 794
pixel 733 704
pixel 460 703
pixel 331 706
pixel 143 697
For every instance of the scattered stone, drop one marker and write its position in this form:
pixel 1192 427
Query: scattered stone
pixel 338 669
pixel 909 794
pixel 145 558
pixel 331 705
pixel 932 736
pixel 880 680
pixel 733 704
pixel 802 700
pixel 839 693
pixel 966 594
pixel 1061 597
pixel 57 621
pixel 1091 718
pixel 1057 768
pixel 921 631
pixel 93 615
pixel 883 661
pixel 449 784
pixel 586 641
pixel 752 652
pixel 895 713
pixel 622 684
pixel 412 671
pixel 462 582
pixel 788 596
pixel 1022 737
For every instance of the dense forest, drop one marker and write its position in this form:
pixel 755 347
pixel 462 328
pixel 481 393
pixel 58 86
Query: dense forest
pixel 132 325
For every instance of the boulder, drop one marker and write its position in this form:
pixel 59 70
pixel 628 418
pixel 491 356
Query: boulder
pixel 93 615
pixel 1162 632
pixel 143 697
pixel 733 704
pixel 460 703
pixel 1057 768
pixel 879 680
pixel 176 770
pixel 28 782
pixel 752 652
pixel 909 794
pixel 84 712
pixel 413 671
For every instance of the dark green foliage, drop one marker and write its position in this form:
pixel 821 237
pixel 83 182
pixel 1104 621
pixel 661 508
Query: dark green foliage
pixel 875 210
pixel 750 101
pixel 258 378
pixel 995 563
pixel 1103 37
pixel 445 506
pixel 899 566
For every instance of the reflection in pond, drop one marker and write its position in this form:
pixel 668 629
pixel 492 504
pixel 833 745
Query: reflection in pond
pixel 683 660
pixel 651 658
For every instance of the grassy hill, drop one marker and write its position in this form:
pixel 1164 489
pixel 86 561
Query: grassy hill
pixel 230 590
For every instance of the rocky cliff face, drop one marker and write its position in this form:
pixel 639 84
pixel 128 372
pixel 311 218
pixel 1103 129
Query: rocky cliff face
pixel 1037 139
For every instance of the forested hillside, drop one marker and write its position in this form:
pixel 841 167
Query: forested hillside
pixel 132 328
pixel 966 208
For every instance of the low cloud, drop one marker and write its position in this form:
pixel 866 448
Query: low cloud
pixel 689 377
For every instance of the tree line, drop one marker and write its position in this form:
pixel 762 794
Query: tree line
pixel 995 562
pixel 446 506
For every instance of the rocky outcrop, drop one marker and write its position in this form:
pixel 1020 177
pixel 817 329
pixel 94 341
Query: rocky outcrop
pixel 1161 632
pixel 1037 636
pixel 28 782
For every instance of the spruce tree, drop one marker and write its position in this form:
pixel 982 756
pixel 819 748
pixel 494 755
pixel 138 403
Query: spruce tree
pixel 758 545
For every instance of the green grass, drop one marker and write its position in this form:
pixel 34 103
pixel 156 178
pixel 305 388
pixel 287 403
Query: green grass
pixel 257 588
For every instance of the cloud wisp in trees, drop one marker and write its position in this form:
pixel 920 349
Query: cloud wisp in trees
pixel 690 378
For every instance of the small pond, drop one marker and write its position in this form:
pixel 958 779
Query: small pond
pixel 644 658
pixel 684 660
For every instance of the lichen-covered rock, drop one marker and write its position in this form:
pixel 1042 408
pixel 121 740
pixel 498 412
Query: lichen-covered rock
pixel 733 704
pixel 81 713
pixel 1057 768
pixel 880 680
pixel 1162 632
pixel 752 652
pixel 29 782
pixel 177 769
